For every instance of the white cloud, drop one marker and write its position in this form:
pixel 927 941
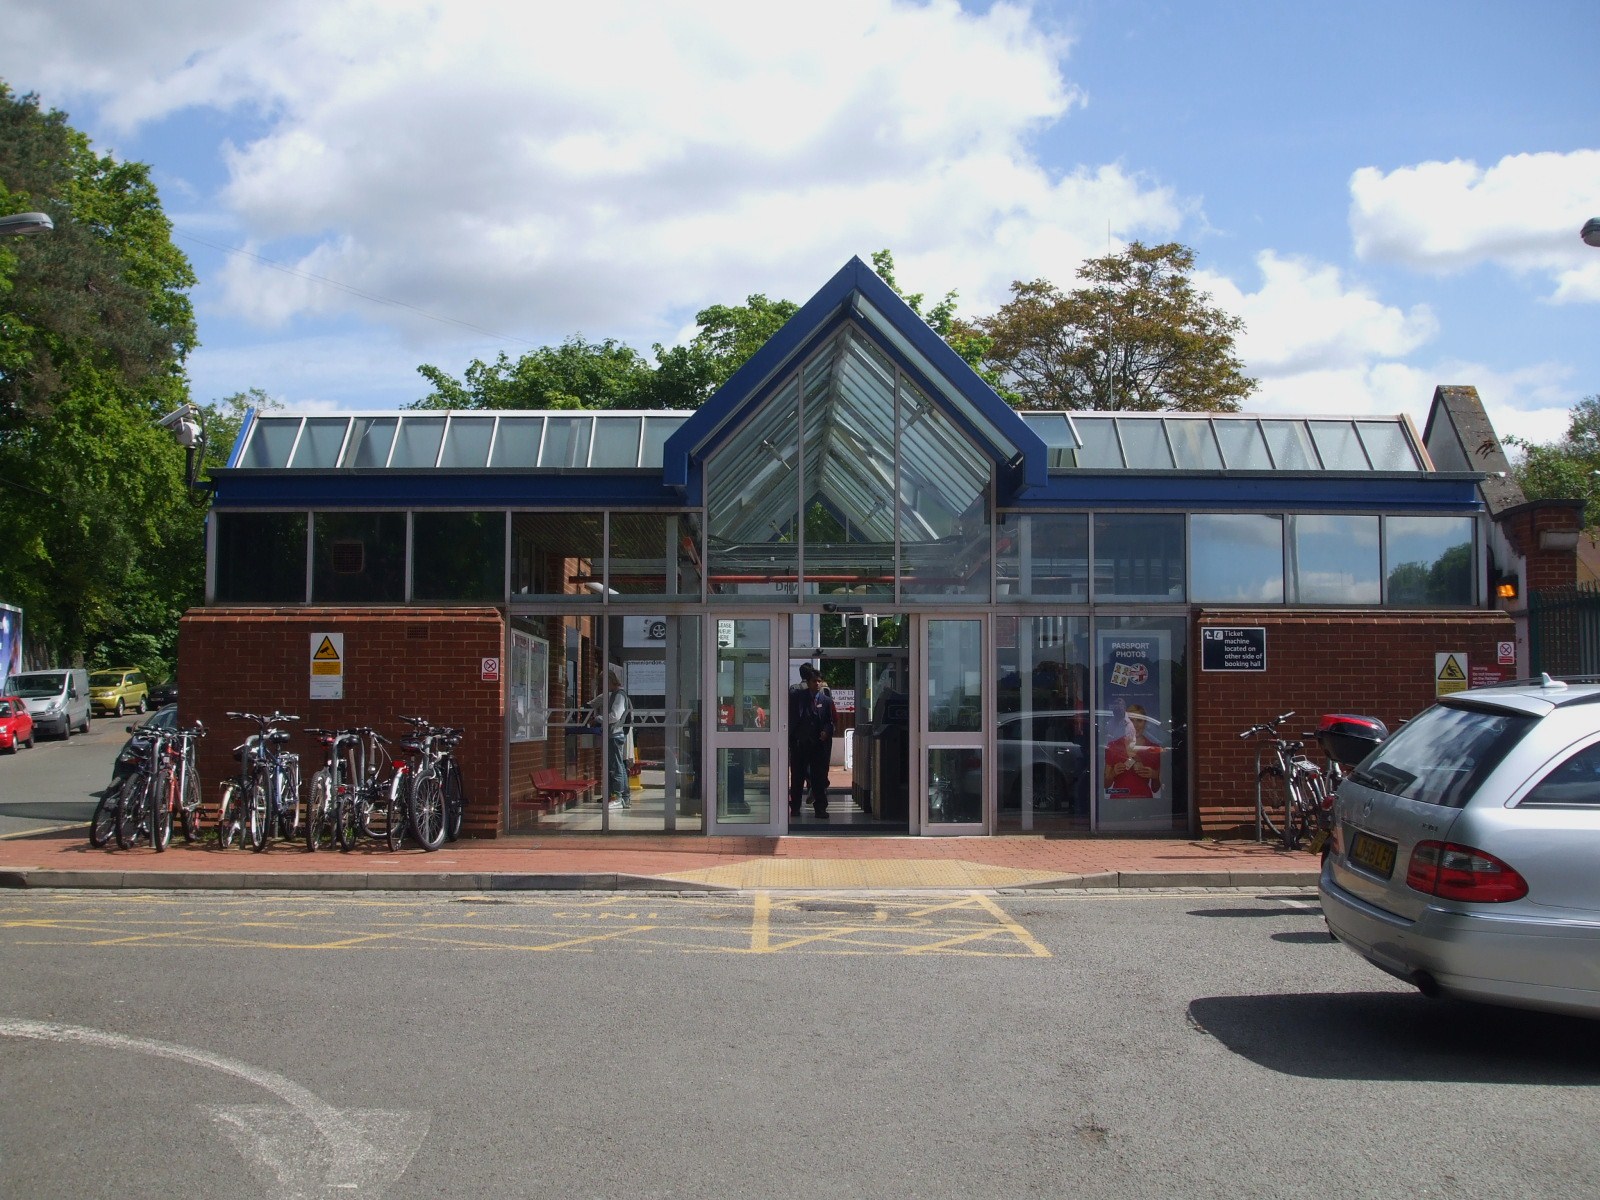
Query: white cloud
pixel 1305 318
pixel 1522 214
pixel 611 167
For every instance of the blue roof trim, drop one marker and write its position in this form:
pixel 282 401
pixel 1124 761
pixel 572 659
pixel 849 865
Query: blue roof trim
pixel 576 490
pixel 1266 492
pixel 697 436
pixel 244 432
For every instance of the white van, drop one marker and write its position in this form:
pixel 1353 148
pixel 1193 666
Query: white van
pixel 58 701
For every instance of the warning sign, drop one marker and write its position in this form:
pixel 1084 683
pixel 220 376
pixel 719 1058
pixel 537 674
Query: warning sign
pixel 1449 673
pixel 491 670
pixel 327 666
pixel 1507 654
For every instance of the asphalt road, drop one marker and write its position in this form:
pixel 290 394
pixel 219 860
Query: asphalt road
pixel 59 781
pixel 763 1045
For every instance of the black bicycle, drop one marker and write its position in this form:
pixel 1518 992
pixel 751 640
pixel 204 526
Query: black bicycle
pixel 432 795
pixel 271 794
pixel 350 795
pixel 1298 812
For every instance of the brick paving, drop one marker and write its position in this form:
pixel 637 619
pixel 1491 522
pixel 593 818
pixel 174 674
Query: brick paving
pixel 574 861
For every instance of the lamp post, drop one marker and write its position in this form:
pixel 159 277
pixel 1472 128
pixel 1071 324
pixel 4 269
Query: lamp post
pixel 26 223
pixel 1590 232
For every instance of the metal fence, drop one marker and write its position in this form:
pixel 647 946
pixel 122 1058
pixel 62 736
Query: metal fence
pixel 1564 630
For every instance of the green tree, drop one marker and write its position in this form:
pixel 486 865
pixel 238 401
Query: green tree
pixel 575 374
pixel 727 335
pixel 104 551
pixel 964 337
pixel 1136 335
pixel 1564 470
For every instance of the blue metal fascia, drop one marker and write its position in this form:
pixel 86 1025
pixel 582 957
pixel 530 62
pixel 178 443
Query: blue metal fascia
pixel 239 438
pixel 1263 492
pixel 820 316
pixel 575 490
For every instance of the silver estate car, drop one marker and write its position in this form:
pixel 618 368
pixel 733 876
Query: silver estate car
pixel 1466 850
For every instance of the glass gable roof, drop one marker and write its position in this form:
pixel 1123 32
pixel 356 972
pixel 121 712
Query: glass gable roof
pixel 419 441
pixel 1218 442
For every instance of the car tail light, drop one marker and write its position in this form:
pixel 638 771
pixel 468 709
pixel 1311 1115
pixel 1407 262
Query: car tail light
pixel 1455 872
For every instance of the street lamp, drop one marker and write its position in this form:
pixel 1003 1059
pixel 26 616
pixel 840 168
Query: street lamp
pixel 26 223
pixel 1591 232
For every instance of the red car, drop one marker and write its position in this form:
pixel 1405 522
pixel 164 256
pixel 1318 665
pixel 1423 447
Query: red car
pixel 16 726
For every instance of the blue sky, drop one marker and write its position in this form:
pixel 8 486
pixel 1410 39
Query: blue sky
pixel 1388 194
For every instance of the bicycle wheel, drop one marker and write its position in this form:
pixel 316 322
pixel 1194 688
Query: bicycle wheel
pixel 1268 786
pixel 394 829
pixel 257 818
pixel 427 810
pixel 455 801
pixel 159 801
pixel 189 806
pixel 289 801
pixel 346 822
pixel 1294 812
pixel 230 816
pixel 102 827
pixel 129 821
pixel 319 809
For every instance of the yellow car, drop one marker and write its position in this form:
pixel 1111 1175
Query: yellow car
pixel 116 689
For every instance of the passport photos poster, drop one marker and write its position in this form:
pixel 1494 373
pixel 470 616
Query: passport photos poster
pixel 1135 669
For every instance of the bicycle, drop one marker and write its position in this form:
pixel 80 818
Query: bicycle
pixel 427 811
pixel 271 797
pixel 1304 812
pixel 230 807
pixel 174 789
pixel 351 789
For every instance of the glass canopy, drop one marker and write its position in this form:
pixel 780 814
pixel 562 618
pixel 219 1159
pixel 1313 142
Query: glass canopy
pixel 416 441
pixel 1225 442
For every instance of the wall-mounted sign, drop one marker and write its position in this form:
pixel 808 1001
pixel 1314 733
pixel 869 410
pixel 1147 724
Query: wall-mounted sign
pixel 490 672
pixel 1449 672
pixel 327 666
pixel 1233 648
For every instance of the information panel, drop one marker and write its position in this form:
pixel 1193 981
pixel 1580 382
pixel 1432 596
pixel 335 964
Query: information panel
pixel 1233 648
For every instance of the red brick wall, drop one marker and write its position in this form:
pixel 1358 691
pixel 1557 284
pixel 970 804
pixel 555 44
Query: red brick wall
pixel 1545 568
pixel 1377 664
pixel 419 661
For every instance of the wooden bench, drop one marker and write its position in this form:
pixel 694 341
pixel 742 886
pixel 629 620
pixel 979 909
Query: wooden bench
pixel 551 789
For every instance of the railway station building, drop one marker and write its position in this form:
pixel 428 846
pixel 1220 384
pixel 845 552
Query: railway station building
pixel 1031 622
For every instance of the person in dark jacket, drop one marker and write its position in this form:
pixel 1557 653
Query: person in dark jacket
pixel 811 721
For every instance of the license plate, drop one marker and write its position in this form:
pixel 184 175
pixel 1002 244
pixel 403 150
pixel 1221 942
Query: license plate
pixel 1373 854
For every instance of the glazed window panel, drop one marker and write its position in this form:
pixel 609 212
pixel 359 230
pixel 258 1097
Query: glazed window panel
pixel 458 556
pixel 321 442
pixel 270 442
pixel 467 442
pixel 417 443
pixel 1429 561
pixel 654 554
pixel 1235 558
pixel 1138 556
pixel 1043 554
pixel 261 558
pixel 557 555
pixel 370 440
pixel 358 557
pixel 1334 560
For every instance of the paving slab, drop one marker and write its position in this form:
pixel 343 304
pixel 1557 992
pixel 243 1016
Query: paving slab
pixel 637 862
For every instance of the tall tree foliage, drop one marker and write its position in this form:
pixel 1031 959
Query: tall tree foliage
pixel 104 551
pixel 1565 470
pixel 1136 335
pixel 575 374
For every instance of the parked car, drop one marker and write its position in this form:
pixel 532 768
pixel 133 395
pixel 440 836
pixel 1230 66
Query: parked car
pixel 114 690
pixel 58 701
pixel 164 693
pixel 16 726
pixel 162 718
pixel 1465 849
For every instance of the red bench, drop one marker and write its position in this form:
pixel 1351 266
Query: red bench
pixel 551 789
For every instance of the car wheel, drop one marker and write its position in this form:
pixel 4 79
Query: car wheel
pixel 120 706
pixel 142 704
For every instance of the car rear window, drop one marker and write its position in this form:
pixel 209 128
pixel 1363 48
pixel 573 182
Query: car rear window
pixel 1439 757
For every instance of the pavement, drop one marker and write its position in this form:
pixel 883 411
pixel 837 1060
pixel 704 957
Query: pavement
pixel 641 862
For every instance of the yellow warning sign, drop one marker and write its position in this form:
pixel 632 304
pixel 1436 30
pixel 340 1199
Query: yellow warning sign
pixel 327 666
pixel 1449 673
pixel 325 652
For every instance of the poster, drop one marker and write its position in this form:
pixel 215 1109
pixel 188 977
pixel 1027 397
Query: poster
pixel 529 688
pixel 1135 721
pixel 10 643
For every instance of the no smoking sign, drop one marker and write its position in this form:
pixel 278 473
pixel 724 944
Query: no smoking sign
pixel 491 670
pixel 1506 654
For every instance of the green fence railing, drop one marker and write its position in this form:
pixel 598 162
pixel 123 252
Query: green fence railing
pixel 1564 630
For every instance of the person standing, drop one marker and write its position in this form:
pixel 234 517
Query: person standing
pixel 811 721
pixel 618 710
pixel 1133 761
